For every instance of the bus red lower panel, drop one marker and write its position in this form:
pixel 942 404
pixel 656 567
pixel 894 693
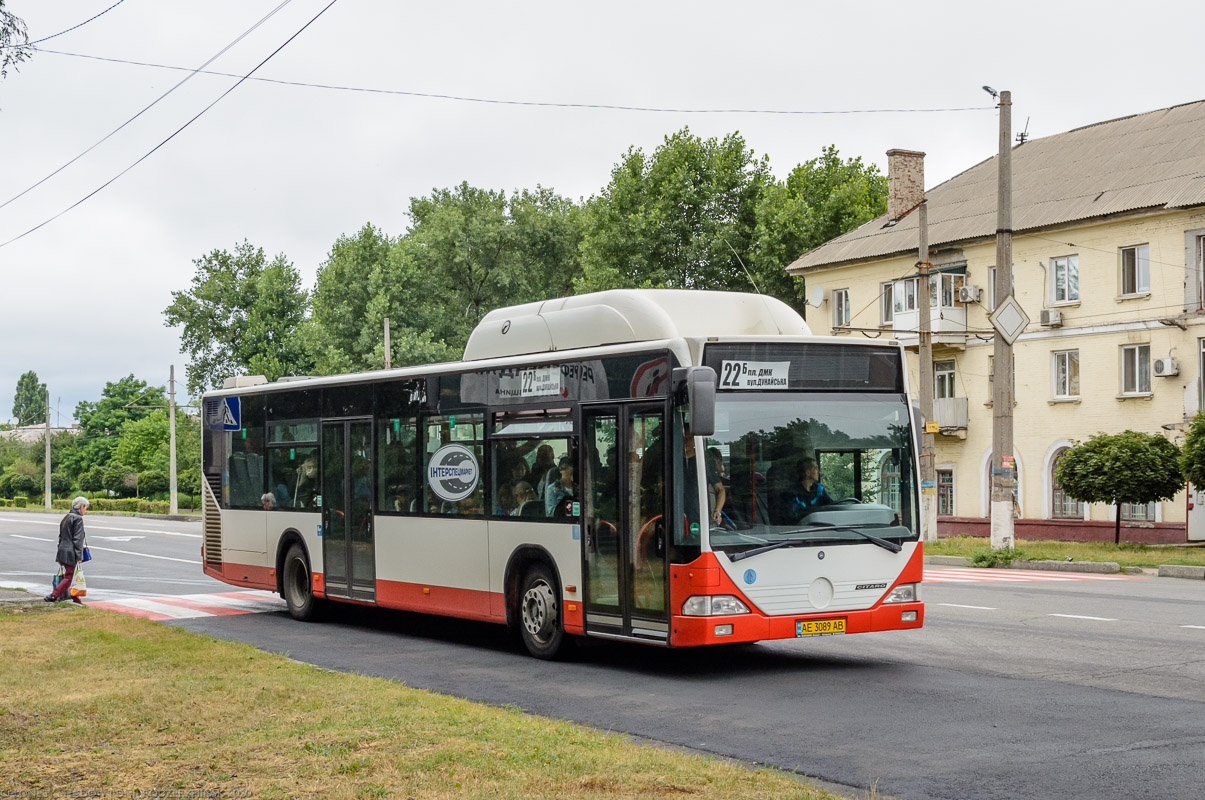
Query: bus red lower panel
pixel 243 575
pixel 694 631
pixel 467 603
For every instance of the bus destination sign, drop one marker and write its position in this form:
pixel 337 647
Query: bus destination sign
pixel 755 374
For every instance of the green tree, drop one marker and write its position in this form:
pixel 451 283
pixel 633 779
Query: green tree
pixel 466 251
pixel 677 218
pixel 14 41
pixel 29 400
pixel 240 317
pixel 92 479
pixel 101 422
pixel 145 444
pixel 152 481
pixel 59 483
pixel 24 485
pixel 1126 467
pixel 118 478
pixel 6 484
pixel 1192 455
pixel 821 199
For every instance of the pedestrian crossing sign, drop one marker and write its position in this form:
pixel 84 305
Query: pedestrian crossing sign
pixel 231 414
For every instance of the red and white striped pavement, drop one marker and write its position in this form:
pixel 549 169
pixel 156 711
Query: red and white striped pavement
pixel 971 575
pixel 190 606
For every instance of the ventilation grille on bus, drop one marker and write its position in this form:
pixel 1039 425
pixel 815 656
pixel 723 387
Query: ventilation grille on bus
pixel 211 519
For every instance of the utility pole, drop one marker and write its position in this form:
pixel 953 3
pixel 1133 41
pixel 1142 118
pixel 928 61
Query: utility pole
pixel 928 469
pixel 1003 464
pixel 173 507
pixel 48 449
pixel 388 360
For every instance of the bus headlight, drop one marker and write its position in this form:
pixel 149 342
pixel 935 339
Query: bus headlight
pixel 713 605
pixel 904 593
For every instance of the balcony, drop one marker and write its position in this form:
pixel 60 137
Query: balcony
pixel 949 326
pixel 951 416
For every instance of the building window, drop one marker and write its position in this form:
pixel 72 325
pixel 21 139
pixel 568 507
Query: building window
pixel 1062 506
pixel 1066 374
pixel 1136 369
pixel 905 296
pixel 943 379
pixel 945 493
pixel 1135 269
pixel 886 303
pixel 840 307
pixel 1065 277
pixel 1200 272
pixel 889 483
pixel 991 289
pixel 1138 512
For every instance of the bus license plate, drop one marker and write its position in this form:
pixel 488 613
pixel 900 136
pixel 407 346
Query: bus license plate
pixel 819 627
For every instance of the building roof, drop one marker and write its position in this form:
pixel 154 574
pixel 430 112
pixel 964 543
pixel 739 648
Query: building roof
pixel 1154 160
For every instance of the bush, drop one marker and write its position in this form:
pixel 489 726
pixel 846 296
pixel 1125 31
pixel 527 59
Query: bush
pixel 188 501
pixel 20 502
pixel 116 477
pixel 24 484
pixel 152 481
pixel 92 480
pixel 999 557
pixel 5 502
pixel 6 484
pixel 59 483
pixel 61 505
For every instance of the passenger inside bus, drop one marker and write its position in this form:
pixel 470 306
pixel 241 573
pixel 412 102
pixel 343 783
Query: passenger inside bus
pixel 562 490
pixel 305 495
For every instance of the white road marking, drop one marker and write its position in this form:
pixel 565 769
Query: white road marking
pixel 90 526
pixel 959 605
pixel 1198 627
pixel 111 550
pixel 1079 616
pixel 175 612
pixel 119 538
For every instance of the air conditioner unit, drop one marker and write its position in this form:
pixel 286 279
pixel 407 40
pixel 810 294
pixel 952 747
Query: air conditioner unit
pixel 1051 318
pixel 968 294
pixel 1166 367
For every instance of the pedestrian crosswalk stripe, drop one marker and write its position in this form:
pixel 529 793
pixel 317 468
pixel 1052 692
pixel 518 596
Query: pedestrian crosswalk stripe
pixel 972 575
pixel 192 606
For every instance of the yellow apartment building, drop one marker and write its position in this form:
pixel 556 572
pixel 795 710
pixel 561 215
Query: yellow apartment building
pixel 1108 259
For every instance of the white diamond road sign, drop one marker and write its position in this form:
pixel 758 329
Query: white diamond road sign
pixel 1009 319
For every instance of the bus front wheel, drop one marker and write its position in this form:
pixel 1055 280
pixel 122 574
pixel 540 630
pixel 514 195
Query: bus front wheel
pixel 540 613
pixel 298 586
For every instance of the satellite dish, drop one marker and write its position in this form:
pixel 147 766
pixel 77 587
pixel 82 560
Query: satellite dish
pixel 816 296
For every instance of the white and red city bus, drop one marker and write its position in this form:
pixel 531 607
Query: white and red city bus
pixel 633 464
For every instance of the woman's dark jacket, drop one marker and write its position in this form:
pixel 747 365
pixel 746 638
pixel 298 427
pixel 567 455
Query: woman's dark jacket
pixel 71 539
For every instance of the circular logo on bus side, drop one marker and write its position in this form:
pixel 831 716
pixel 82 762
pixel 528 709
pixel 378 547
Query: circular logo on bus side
pixel 452 472
pixel 750 576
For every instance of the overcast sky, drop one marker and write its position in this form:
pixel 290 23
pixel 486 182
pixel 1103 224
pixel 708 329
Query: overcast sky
pixel 291 168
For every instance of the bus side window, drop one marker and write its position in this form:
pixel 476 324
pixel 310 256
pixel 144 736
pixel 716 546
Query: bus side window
pixel 397 465
pixel 446 439
pixel 244 478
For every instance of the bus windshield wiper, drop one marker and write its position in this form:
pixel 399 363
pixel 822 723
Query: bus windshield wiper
pixel 757 551
pixel 883 543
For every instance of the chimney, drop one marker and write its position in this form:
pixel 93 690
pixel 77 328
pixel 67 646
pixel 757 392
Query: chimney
pixel 905 182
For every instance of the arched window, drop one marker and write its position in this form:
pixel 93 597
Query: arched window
pixel 1062 506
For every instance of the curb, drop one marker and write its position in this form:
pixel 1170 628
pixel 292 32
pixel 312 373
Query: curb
pixel 946 561
pixel 91 513
pixel 1181 571
pixel 1094 567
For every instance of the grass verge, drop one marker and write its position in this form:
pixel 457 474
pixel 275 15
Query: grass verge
pixel 1127 555
pixel 96 701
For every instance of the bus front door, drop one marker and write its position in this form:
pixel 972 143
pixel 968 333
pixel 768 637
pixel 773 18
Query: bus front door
pixel 624 466
pixel 348 554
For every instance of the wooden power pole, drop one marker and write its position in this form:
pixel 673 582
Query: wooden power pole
pixel 48 449
pixel 1004 474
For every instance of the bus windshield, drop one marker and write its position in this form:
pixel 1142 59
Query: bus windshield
pixel 804 468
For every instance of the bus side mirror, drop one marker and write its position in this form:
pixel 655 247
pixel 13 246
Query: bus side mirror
pixel 698 384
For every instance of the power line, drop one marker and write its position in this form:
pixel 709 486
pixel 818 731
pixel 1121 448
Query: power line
pixel 177 132
pixel 537 103
pixel 185 79
pixel 69 30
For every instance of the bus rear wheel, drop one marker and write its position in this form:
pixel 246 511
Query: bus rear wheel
pixel 298 585
pixel 540 614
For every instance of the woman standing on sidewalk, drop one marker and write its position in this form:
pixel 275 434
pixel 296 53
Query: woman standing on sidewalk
pixel 71 548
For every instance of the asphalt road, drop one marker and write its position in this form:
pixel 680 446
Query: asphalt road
pixel 1060 689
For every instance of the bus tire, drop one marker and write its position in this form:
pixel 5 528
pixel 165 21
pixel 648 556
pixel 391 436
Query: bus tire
pixel 540 622
pixel 298 587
